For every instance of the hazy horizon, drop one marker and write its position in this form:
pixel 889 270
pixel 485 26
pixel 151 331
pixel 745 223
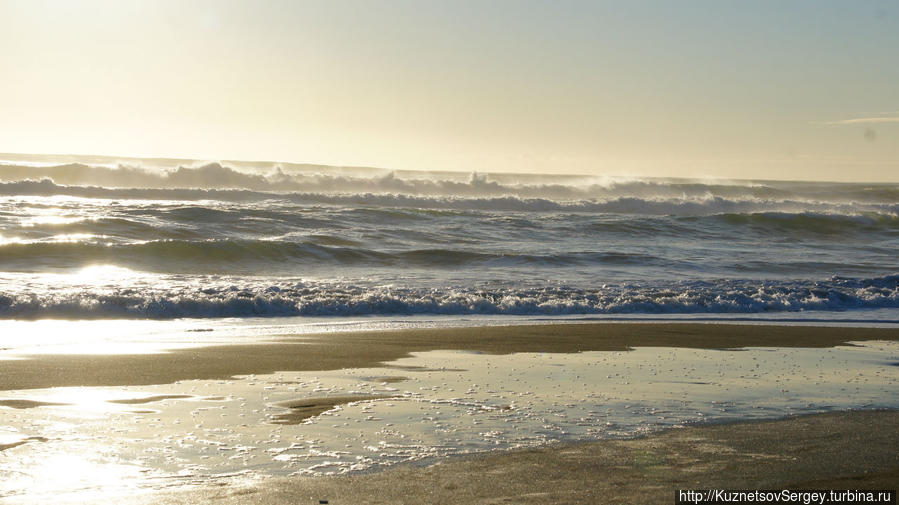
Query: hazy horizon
pixel 764 90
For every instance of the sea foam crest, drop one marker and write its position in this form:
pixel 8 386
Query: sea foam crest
pixel 329 299
pixel 680 205
pixel 332 180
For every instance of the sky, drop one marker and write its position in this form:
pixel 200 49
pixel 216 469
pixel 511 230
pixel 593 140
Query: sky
pixel 756 89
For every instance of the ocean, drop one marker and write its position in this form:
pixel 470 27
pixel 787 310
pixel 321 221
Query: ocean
pixel 155 316
pixel 105 238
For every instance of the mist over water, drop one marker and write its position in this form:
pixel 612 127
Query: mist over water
pixel 166 239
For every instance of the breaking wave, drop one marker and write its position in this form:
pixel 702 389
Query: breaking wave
pixel 331 180
pixel 681 205
pixel 402 242
pixel 330 299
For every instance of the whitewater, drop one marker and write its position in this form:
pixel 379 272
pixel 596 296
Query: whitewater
pixel 99 238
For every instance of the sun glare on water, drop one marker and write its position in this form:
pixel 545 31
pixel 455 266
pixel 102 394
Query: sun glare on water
pixel 88 475
pixel 102 274
pixel 51 219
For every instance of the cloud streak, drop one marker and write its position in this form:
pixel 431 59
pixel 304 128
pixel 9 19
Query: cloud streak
pixel 864 120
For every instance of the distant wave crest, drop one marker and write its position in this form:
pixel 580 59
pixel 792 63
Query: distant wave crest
pixel 331 180
pixel 681 205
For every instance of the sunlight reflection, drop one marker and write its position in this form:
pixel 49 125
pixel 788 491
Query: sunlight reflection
pixel 77 402
pixel 95 274
pixel 49 218
pixel 9 240
pixel 72 237
pixel 22 338
pixel 51 336
pixel 87 474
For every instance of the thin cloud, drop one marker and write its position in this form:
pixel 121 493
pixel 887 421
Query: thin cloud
pixel 864 120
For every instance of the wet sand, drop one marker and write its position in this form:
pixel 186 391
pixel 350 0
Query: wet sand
pixel 837 450
pixel 849 450
pixel 303 409
pixel 333 351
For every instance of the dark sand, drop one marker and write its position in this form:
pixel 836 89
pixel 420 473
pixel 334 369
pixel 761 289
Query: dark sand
pixel 334 351
pixel 854 450
pixel 17 403
pixel 149 399
pixel 24 441
pixel 300 410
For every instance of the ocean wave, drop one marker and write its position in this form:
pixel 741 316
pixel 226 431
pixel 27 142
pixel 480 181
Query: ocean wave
pixel 414 228
pixel 247 255
pixel 329 180
pixel 328 299
pixel 806 223
pixel 702 205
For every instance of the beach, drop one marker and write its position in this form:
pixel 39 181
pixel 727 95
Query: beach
pixel 562 413
pixel 854 450
pixel 359 349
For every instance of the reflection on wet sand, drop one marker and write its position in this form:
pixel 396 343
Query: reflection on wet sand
pixel 200 432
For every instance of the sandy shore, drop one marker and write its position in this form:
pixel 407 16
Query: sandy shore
pixel 850 450
pixel 846 450
pixel 334 351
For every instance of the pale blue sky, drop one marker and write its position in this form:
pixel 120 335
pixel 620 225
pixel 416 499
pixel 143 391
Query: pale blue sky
pixel 754 89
